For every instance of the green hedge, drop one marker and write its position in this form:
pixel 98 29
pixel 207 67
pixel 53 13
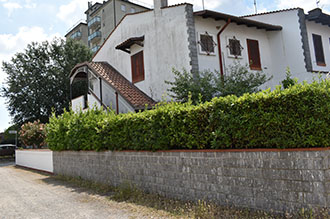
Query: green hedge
pixel 292 118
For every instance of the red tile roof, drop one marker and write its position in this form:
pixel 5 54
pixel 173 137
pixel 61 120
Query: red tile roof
pixel 133 95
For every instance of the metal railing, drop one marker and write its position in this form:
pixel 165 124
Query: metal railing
pixel 76 35
pixel 94 35
pixel 94 21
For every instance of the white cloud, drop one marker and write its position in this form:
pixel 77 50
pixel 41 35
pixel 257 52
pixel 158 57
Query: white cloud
pixel 72 12
pixel 11 44
pixel 307 5
pixel 29 4
pixel 11 6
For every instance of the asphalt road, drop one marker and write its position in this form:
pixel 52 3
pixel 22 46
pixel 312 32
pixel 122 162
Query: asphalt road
pixel 27 194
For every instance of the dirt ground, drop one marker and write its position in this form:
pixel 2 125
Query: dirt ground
pixel 29 194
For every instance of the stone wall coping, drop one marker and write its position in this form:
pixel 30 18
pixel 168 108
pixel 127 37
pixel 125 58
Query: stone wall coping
pixel 222 150
pixel 43 150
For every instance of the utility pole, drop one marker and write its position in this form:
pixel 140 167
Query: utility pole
pixel 318 3
pixel 255 6
pixel 203 5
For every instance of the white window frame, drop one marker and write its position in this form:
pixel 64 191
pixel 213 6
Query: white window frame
pixel 228 50
pixel 200 46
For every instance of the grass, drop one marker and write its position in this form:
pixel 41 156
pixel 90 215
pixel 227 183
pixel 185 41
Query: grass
pixel 128 193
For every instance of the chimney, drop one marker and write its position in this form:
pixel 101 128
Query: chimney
pixel 160 3
pixel 89 5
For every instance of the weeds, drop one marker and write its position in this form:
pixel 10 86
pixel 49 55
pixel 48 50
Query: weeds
pixel 129 193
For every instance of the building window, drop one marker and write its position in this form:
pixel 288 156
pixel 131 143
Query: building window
pixel 254 54
pixel 234 47
pixel 318 48
pixel 123 8
pixel 137 67
pixel 207 44
pixel 132 10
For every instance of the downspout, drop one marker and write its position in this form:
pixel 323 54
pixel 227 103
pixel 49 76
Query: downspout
pixel 114 13
pixel 101 91
pixel 117 104
pixel 219 46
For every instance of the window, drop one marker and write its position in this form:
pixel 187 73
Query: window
pixel 123 7
pixel 254 54
pixel 137 67
pixel 234 48
pixel 206 44
pixel 132 10
pixel 318 48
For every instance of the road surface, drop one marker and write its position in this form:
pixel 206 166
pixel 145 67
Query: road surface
pixel 27 194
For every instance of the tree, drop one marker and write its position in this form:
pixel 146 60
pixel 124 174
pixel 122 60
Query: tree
pixel 203 86
pixel 38 79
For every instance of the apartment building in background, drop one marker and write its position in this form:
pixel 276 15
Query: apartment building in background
pixel 101 19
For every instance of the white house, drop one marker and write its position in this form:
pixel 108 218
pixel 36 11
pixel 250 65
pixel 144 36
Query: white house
pixel 145 46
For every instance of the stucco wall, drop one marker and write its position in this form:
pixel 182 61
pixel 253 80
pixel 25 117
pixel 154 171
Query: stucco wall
pixel 242 33
pixel 286 46
pixel 165 47
pixel 269 180
pixel 35 159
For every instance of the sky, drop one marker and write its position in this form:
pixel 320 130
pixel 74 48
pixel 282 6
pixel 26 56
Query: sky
pixel 26 21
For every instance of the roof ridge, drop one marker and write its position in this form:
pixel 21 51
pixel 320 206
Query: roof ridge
pixel 271 12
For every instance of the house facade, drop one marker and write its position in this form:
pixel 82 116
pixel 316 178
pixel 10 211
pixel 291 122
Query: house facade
pixel 146 46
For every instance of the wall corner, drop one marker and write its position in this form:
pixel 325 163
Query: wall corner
pixel 192 43
pixel 304 40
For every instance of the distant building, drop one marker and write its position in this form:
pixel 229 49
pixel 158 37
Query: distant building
pixel 79 32
pixel 101 20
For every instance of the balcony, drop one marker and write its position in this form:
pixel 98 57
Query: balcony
pixel 95 48
pixel 76 36
pixel 94 22
pixel 95 37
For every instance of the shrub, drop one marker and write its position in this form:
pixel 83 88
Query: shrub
pixel 290 118
pixel 33 134
pixel 289 81
pixel 203 86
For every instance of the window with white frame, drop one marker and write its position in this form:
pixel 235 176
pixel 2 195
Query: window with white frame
pixel 206 43
pixel 234 47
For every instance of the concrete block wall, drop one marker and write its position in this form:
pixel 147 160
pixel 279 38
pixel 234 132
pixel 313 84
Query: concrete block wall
pixel 268 180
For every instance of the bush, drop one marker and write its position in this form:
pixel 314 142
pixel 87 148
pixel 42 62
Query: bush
pixel 203 86
pixel 290 118
pixel 33 134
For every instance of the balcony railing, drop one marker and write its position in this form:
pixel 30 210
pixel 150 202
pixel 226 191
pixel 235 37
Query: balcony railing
pixel 95 48
pixel 76 35
pixel 94 22
pixel 94 37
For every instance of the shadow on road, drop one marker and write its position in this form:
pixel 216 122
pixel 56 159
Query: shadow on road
pixel 79 187
pixel 7 161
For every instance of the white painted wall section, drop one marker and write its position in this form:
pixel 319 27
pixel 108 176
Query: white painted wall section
pixel 165 47
pixel 35 159
pixel 242 33
pixel 286 46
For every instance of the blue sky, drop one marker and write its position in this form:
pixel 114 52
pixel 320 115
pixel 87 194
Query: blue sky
pixel 24 21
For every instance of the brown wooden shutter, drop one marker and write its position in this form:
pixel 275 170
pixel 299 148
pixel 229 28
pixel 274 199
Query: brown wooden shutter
pixel 318 48
pixel 137 67
pixel 254 54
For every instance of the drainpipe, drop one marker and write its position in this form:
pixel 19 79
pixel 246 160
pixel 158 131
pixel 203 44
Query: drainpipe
pixel 101 96
pixel 117 104
pixel 219 46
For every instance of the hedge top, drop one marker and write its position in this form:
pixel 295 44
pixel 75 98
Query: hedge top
pixel 296 117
